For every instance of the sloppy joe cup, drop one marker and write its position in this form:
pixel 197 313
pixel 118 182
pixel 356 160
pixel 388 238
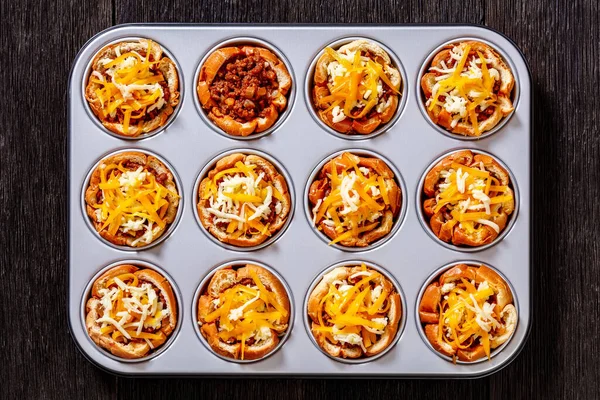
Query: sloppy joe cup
pixel 262 312
pixel 244 199
pixel 385 209
pixel 382 88
pixel 467 200
pixel 447 301
pixel 491 113
pixel 245 88
pixel 114 207
pixel 113 109
pixel 160 326
pixel 383 325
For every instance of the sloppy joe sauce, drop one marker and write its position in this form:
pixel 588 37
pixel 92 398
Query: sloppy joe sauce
pixel 244 86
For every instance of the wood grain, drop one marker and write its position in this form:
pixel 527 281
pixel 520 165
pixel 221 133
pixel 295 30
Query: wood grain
pixel 39 41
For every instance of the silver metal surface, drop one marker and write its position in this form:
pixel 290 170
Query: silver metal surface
pixel 299 143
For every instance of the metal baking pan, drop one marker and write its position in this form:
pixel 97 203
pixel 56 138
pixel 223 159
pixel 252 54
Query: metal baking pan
pixel 299 142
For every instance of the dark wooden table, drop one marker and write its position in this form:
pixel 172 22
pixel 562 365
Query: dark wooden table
pixel 39 41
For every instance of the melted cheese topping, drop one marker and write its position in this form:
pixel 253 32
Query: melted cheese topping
pixel 357 199
pixel 132 201
pixel 465 86
pixel 356 312
pixel 467 315
pixel 130 306
pixel 246 311
pixel 241 198
pixel 129 86
pixel 355 85
pixel 472 196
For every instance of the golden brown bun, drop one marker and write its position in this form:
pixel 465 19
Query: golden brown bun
pixel 454 234
pixel 429 310
pixel 150 164
pixel 271 175
pixel 208 72
pixel 222 280
pixel 503 105
pixel 320 89
pixel 166 66
pixel 338 350
pixel 318 187
pixel 136 348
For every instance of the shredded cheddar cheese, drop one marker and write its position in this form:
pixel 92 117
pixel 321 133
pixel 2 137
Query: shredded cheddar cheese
pixel 354 313
pixel 132 201
pixel 242 199
pixel 470 195
pixel 467 315
pixel 130 306
pixel 466 88
pixel 129 87
pixel 355 85
pixel 246 312
pixel 355 203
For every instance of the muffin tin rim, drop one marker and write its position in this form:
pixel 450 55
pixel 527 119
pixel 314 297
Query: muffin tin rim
pixel 142 264
pixel 180 207
pixel 236 41
pixel 435 274
pixel 349 263
pixel 210 164
pixel 201 288
pixel 329 29
pixel 143 136
pixel 308 85
pixel 516 92
pixel 399 220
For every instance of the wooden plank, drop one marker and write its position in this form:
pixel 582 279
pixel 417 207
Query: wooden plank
pixel 560 40
pixel 38 43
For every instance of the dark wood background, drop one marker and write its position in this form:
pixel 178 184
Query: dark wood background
pixel 38 43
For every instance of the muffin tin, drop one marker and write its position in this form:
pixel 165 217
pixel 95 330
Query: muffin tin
pixel 188 143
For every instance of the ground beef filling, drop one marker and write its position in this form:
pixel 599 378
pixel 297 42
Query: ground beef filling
pixel 481 115
pixel 243 87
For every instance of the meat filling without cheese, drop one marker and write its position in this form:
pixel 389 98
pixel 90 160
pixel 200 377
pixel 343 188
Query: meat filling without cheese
pixel 243 87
